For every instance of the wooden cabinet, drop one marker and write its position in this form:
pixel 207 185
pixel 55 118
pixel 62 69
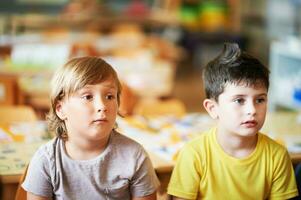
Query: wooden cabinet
pixel 9 90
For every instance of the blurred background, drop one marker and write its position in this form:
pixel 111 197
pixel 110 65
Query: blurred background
pixel 158 47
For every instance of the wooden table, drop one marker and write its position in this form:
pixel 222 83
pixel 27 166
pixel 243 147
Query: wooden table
pixel 17 155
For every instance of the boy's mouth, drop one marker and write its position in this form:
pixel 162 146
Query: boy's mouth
pixel 100 120
pixel 250 123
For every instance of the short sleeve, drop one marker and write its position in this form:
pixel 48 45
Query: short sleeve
pixel 144 181
pixel 186 176
pixel 37 179
pixel 284 183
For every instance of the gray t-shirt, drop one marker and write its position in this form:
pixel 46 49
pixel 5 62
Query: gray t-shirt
pixel 122 171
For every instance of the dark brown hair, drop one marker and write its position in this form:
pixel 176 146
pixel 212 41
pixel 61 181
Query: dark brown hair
pixel 233 66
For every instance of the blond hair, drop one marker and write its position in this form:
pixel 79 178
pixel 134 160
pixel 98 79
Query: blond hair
pixel 74 75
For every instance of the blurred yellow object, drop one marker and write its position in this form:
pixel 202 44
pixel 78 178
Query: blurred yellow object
pixel 211 21
pixel 213 16
pixel 136 123
pixel 14 114
pixel 11 114
pixel 166 126
pixel 10 136
pixel 175 156
pixel 155 107
pixel 175 137
pixel 9 89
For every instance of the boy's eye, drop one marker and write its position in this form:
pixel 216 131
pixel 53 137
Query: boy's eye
pixel 260 100
pixel 239 101
pixel 110 96
pixel 87 97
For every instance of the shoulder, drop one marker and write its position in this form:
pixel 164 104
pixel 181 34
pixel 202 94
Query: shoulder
pixel 127 154
pixel 48 152
pixel 202 142
pixel 45 157
pixel 124 141
pixel 41 169
pixel 125 144
pixel 275 149
pixel 270 143
pixel 50 147
pixel 198 148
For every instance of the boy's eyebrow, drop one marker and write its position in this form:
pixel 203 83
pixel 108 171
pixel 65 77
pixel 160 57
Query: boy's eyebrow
pixel 238 95
pixel 89 88
pixel 243 95
pixel 82 91
pixel 109 85
pixel 263 94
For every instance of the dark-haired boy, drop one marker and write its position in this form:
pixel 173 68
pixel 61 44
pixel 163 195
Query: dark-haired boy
pixel 234 160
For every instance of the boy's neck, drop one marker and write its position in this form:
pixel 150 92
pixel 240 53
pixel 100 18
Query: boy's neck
pixel 237 146
pixel 85 150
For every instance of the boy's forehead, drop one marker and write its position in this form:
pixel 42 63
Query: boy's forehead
pixel 109 83
pixel 242 87
pixel 259 84
pixel 106 84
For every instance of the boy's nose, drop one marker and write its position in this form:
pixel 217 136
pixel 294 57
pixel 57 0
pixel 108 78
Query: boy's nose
pixel 101 109
pixel 100 105
pixel 251 109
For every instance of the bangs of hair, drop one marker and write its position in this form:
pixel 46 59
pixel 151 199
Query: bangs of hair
pixel 79 72
pixel 249 74
pixel 95 71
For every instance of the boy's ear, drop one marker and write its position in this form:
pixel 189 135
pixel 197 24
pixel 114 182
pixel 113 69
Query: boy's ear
pixel 60 111
pixel 211 107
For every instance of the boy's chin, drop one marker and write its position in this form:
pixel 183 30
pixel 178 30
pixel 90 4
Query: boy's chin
pixel 249 133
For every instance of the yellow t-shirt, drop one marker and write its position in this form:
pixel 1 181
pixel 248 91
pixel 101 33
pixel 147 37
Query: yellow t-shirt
pixel 203 170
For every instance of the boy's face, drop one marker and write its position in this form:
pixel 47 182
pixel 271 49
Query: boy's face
pixel 241 109
pixel 90 112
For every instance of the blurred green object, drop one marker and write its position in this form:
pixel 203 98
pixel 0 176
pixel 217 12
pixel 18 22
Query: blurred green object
pixel 204 16
pixel 189 15
pixel 213 6
pixel 213 15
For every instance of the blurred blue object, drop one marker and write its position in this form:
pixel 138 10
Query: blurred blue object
pixel 285 79
pixel 298 177
pixel 297 96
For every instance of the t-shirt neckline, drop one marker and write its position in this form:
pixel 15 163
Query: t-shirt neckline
pixel 232 159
